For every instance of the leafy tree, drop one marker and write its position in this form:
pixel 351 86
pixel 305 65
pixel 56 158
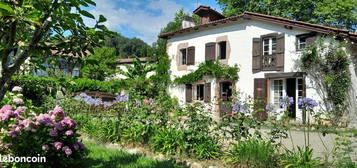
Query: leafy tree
pixel 137 70
pixel 176 24
pixel 339 13
pixel 127 48
pixel 35 28
pixel 100 65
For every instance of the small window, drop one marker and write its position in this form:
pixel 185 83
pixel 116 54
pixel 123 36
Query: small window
pixel 222 50
pixel 269 46
pixel 226 91
pixel 183 56
pixel 199 92
pixel 301 43
pixel 278 92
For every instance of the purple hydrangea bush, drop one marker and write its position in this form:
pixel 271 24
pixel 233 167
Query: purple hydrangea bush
pixel 53 134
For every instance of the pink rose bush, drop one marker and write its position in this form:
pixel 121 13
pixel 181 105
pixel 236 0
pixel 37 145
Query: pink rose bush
pixel 53 134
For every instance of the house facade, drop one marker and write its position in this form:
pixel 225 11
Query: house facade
pixel 266 49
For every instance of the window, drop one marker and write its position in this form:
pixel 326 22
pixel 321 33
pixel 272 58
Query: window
pixel 301 43
pixel 269 46
pixel 222 52
pixel 183 56
pixel 278 92
pixel 226 91
pixel 199 92
pixel 300 88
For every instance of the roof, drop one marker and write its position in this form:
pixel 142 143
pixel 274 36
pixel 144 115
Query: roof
pixel 131 60
pixel 288 23
pixel 201 10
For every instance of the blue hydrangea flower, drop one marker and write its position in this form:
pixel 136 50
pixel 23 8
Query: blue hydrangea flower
pixel 238 107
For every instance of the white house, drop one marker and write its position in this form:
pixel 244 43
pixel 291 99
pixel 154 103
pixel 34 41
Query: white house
pixel 265 47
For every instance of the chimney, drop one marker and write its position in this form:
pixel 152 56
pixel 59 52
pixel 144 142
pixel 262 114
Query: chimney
pixel 188 22
pixel 207 14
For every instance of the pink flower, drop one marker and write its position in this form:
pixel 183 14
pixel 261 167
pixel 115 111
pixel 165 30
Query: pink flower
pixel 18 101
pixel 68 122
pixel 67 150
pixel 45 147
pixel 57 113
pixel 69 133
pixel 6 112
pixel 17 89
pixel 53 133
pixel 58 126
pixel 6 108
pixel 44 119
pixel 57 145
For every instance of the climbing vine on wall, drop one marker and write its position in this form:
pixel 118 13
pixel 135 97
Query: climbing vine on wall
pixel 327 63
pixel 209 68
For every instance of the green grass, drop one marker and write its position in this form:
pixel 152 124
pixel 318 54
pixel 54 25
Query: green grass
pixel 101 157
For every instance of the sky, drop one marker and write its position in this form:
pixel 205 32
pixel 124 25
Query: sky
pixel 142 18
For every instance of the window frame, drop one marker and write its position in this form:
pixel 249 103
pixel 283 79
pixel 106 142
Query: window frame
pixel 270 45
pixel 299 43
pixel 219 50
pixel 199 90
pixel 227 97
pixel 183 56
pixel 277 100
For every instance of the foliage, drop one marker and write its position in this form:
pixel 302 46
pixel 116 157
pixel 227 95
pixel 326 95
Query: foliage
pixel 38 88
pixel 51 135
pixel 253 152
pixel 100 65
pixel 339 13
pixel 342 153
pixel 168 141
pixel 101 156
pixel 137 70
pixel 302 158
pixel 327 63
pixel 214 69
pixel 37 28
pixel 126 48
pixel 176 24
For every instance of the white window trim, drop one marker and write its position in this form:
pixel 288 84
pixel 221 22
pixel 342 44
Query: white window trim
pixel 181 56
pixel 299 43
pixel 272 91
pixel 194 90
pixel 270 45
pixel 218 49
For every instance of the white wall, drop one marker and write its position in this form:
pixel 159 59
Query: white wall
pixel 240 37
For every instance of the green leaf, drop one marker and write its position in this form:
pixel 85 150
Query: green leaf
pixel 90 2
pixel 6 7
pixel 102 19
pixel 86 14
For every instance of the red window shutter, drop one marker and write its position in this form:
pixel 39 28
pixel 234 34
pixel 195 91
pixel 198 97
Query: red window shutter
pixel 210 54
pixel 260 98
pixel 188 93
pixel 257 55
pixel 280 48
pixel 190 55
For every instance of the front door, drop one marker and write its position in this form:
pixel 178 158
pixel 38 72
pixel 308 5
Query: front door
pixel 291 92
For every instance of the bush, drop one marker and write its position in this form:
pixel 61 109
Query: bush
pixel 302 158
pixel 52 135
pixel 253 152
pixel 168 141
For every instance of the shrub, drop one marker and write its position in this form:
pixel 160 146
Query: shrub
pixel 302 158
pixel 253 152
pixel 52 135
pixel 168 141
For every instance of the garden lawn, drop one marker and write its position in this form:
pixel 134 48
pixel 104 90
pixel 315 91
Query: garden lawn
pixel 100 156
